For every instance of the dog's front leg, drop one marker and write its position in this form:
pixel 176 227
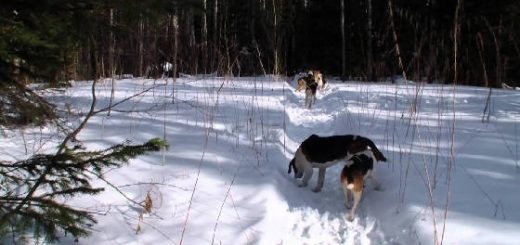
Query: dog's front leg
pixel 307 174
pixel 321 180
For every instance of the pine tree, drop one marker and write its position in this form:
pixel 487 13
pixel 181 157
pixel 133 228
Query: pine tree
pixel 38 40
pixel 33 190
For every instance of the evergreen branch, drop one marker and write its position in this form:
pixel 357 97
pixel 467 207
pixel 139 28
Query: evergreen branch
pixel 64 174
pixel 71 192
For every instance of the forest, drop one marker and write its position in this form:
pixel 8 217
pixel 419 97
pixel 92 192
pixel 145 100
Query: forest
pixel 427 40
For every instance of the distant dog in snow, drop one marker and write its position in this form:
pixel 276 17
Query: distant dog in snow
pixel 310 86
pixel 323 152
pixel 312 82
pixel 358 167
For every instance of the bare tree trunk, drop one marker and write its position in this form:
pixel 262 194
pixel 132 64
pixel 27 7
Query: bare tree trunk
pixel 111 45
pixel 175 47
pixel 499 66
pixel 343 42
pixel 140 49
pixel 192 41
pixel 111 59
pixel 456 31
pixel 276 62
pixel 205 36
pixel 498 81
pixel 215 35
pixel 396 40
pixel 252 23
pixel 370 55
pixel 480 46
pixel 175 43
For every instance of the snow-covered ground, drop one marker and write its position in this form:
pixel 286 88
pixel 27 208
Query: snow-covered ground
pixel 224 179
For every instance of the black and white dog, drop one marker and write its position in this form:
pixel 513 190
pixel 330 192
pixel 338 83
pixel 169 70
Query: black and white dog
pixel 323 152
pixel 358 167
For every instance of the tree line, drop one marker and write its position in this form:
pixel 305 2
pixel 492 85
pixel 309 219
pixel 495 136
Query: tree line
pixel 364 39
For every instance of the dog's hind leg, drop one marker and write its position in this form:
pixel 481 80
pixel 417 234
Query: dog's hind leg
pixel 321 180
pixel 357 188
pixel 348 195
pixel 357 198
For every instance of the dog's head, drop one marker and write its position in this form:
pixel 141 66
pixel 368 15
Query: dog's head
pixel 298 173
pixel 297 164
pixel 317 75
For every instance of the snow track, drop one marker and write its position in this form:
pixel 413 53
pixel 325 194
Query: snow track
pixel 320 218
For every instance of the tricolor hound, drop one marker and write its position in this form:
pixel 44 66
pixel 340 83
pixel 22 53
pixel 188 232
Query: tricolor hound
pixel 323 152
pixel 358 167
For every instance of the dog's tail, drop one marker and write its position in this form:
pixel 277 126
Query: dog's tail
pixel 379 156
pixel 291 166
pixel 347 179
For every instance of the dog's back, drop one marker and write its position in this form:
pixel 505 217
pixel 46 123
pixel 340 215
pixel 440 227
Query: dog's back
pixel 323 152
pixel 324 149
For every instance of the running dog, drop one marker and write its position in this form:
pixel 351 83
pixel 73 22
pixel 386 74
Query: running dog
pixel 358 167
pixel 310 86
pixel 323 152
pixel 312 82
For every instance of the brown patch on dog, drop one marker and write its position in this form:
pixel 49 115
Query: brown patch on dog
pixel 353 180
pixel 358 181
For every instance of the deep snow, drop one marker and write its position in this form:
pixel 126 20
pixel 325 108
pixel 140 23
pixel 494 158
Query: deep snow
pixel 224 180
